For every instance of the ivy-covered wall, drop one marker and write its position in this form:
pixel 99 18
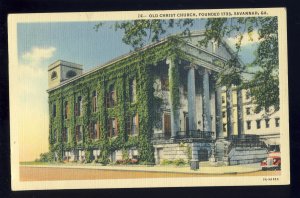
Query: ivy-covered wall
pixel 138 66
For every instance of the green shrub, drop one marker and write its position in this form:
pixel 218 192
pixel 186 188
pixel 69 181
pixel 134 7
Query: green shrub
pixel 166 162
pixel 177 162
pixel 180 162
pixel 45 157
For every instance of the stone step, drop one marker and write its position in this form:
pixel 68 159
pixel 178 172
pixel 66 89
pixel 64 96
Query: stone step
pixel 247 155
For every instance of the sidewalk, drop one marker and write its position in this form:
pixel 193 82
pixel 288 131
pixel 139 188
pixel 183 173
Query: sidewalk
pixel 204 169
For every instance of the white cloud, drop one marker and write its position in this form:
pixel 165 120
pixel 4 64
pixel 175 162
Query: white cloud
pixel 29 101
pixel 38 54
pixel 251 39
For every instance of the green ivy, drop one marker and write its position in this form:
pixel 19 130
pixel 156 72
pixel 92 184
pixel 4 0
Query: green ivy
pixel 139 66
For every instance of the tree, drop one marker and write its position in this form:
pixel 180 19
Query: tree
pixel 264 85
pixel 264 82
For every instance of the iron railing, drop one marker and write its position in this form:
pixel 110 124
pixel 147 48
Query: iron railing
pixel 161 136
pixel 249 137
pixel 195 134
pixel 246 141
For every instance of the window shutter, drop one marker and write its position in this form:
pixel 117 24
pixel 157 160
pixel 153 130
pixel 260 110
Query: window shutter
pixel 76 109
pixel 109 126
pixel 64 135
pixel 91 130
pixel 115 100
pixel 107 100
pixel 67 110
pixel 76 133
pixel 81 106
pixel 93 104
pixel 97 130
pixel 116 120
pixel 96 100
pixel 137 123
pixel 128 125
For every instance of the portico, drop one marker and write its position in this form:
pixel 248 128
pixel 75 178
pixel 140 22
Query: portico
pixel 195 107
pixel 194 102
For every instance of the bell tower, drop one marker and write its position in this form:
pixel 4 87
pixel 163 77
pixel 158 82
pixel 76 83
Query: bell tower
pixel 60 71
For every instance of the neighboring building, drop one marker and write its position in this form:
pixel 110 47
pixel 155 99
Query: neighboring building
pixel 265 124
pixel 158 103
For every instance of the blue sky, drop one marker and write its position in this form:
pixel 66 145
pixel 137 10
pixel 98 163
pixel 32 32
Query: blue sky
pixel 78 42
pixel 39 45
pixel 74 42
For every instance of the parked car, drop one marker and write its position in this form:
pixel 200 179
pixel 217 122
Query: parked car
pixel 273 162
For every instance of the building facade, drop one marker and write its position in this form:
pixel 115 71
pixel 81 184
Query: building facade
pixel 264 123
pixel 158 103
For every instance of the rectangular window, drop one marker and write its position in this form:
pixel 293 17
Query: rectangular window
pixel 112 127
pixel 54 110
pixel 132 125
pixel 66 110
pixel 94 102
pixel 94 131
pixel 132 90
pixel 248 110
pixel 65 134
pixel 79 133
pixel 258 124
pixel 277 122
pixel 267 123
pixel 167 125
pixel 248 124
pixel 78 106
pixel 164 84
pixel 111 97
pixel 224 127
pixel 223 114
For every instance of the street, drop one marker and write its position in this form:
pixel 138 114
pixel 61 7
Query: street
pixel 50 174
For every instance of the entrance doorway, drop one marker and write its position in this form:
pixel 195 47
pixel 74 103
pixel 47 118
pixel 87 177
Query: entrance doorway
pixel 203 155
pixel 186 123
pixel 167 125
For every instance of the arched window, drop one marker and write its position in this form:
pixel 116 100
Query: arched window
pixel 71 74
pixel 53 75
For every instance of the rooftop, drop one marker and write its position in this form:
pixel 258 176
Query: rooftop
pixel 124 56
pixel 65 63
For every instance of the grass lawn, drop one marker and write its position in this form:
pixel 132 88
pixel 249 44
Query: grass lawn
pixel 38 163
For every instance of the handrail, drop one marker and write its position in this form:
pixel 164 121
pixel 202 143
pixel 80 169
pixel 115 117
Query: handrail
pixel 194 134
pixel 197 134
pixel 248 140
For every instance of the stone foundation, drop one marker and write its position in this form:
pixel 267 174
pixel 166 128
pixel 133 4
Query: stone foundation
pixel 185 151
pixel 247 155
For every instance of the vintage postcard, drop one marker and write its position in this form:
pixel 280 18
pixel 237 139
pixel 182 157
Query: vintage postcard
pixel 168 98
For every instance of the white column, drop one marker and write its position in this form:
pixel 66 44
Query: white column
pixel 174 90
pixel 191 98
pixel 219 118
pixel 206 102
pixel 213 105
pixel 229 107
pixel 240 113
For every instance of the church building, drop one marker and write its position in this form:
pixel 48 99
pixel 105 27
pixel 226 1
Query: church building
pixel 160 102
